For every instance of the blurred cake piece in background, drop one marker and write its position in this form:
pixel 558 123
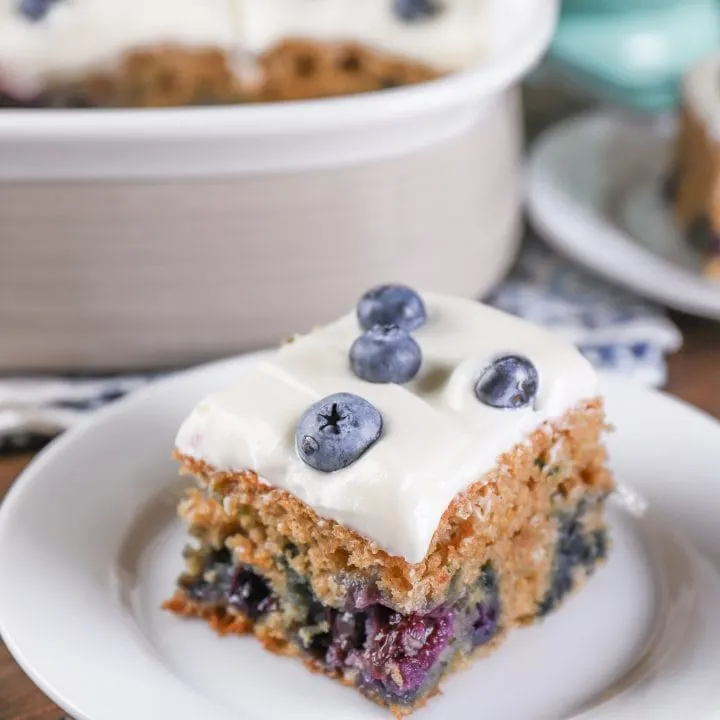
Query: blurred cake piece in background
pixel 695 182
pixel 305 69
pixel 163 53
pixel 105 52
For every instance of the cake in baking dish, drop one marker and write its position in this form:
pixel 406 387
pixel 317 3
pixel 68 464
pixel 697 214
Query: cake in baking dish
pixel 145 53
pixel 694 186
pixel 386 497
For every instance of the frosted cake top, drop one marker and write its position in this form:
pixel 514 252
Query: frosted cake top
pixel 387 458
pixel 45 41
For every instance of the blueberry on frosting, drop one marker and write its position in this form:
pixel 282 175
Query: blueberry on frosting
pixel 510 382
pixel 35 9
pixel 385 354
pixel 412 10
pixel 392 305
pixel 336 431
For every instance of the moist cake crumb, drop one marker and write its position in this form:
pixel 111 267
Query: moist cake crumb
pixel 508 548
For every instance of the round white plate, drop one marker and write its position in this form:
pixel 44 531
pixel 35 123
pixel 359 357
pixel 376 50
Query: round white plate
pixel 594 191
pixel 89 548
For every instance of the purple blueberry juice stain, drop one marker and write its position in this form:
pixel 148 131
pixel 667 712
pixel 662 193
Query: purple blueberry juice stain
pixel 224 583
pixel 362 595
pixel 347 636
pixel 576 548
pixel 391 655
pixel 214 585
pixel 396 656
pixel 251 594
pixel 401 650
pixel 483 614
pixel 485 624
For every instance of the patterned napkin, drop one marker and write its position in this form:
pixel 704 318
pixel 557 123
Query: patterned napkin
pixel 618 332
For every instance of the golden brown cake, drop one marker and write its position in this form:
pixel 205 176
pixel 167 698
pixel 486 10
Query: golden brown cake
pixel 695 187
pixel 175 77
pixel 387 497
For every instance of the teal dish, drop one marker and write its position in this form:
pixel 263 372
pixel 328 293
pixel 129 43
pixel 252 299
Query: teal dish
pixel 636 59
pixel 616 6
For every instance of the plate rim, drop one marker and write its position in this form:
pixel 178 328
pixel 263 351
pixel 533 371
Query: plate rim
pixel 560 223
pixel 36 472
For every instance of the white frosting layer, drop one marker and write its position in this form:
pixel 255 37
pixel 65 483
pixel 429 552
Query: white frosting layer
pixel 702 92
pixel 450 40
pixel 438 438
pixel 76 36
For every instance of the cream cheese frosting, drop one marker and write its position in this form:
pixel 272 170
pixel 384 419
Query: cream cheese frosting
pixel 74 37
pixel 450 40
pixel 77 36
pixel 438 438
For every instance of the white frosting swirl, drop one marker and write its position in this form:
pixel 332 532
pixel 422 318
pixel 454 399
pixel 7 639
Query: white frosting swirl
pixel 438 438
pixel 78 36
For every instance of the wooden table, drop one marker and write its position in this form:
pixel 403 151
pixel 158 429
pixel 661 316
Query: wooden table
pixel 694 377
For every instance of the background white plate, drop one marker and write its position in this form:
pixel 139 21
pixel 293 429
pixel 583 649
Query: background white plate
pixel 594 192
pixel 89 547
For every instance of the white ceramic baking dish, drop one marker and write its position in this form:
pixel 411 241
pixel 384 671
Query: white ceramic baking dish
pixel 148 238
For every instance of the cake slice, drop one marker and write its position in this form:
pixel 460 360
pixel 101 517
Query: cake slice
pixel 386 497
pixel 695 184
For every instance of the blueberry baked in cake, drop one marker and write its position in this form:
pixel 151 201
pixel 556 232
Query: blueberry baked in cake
pixel 694 186
pixel 145 53
pixel 386 497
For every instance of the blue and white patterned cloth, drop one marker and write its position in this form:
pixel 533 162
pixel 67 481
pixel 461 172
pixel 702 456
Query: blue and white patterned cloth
pixel 617 331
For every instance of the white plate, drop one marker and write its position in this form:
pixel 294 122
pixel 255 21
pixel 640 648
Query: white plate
pixel 594 192
pixel 89 547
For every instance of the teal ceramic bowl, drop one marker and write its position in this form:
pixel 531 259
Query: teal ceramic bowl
pixel 616 6
pixel 637 58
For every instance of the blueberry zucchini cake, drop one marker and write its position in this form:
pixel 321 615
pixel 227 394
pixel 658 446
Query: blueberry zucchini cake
pixel 145 53
pixel 694 186
pixel 386 497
